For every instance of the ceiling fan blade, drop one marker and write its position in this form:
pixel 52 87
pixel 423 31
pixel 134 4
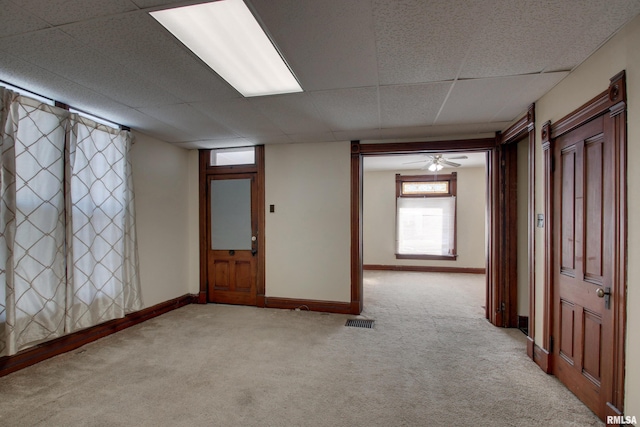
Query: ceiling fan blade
pixel 457 157
pixel 419 161
pixel 448 163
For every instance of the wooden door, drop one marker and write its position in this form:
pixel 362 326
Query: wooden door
pixel 232 266
pixel 583 265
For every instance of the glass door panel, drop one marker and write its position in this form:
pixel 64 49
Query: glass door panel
pixel 231 214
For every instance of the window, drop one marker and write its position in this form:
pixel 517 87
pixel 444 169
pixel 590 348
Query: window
pixel 233 156
pixel 426 216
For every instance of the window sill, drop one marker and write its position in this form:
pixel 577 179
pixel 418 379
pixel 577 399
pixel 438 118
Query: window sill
pixel 428 257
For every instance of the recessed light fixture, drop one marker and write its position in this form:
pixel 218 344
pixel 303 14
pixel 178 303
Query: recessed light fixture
pixel 227 37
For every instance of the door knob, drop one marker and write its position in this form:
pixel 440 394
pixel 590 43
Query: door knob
pixel 605 293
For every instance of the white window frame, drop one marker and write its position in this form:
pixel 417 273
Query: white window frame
pixel 436 195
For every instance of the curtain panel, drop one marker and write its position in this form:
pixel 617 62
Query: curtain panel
pixel 68 254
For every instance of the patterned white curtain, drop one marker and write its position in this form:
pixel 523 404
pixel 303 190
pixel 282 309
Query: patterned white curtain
pixel 68 258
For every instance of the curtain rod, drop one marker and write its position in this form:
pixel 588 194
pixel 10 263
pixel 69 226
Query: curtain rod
pixel 65 106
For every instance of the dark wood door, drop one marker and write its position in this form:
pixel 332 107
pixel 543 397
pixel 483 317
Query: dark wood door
pixel 232 265
pixel 583 265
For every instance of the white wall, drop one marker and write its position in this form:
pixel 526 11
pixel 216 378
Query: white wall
pixel 592 77
pixel 308 236
pixel 163 184
pixel 379 229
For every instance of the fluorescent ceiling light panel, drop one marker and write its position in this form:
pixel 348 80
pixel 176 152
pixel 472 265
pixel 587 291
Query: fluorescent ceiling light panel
pixel 226 36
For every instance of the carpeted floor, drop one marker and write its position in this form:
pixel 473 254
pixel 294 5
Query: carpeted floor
pixel 430 360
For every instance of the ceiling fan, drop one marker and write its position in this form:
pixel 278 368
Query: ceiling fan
pixel 436 162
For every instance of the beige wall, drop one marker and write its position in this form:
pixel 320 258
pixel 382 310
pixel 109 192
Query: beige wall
pixel 308 236
pixel 592 77
pixel 379 208
pixel 163 183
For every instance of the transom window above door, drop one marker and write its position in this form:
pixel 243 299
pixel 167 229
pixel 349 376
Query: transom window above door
pixel 233 156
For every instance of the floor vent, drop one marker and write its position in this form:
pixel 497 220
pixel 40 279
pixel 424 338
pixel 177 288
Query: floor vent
pixel 360 323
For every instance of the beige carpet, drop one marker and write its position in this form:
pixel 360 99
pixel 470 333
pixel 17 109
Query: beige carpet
pixel 430 360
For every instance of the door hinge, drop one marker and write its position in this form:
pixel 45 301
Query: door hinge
pixel 503 307
pixel 551 344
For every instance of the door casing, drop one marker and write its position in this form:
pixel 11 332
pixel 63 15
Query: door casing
pixel 496 229
pixel 611 106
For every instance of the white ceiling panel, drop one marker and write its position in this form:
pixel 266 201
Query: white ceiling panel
pixel 329 44
pixel 240 116
pixel 348 109
pixel 411 105
pixel 186 118
pixel 534 89
pixel 520 34
pixel 58 12
pixel 359 135
pixel 140 44
pixel 371 69
pixel 16 20
pixel 38 80
pixel 609 18
pixel 312 137
pixel 87 67
pixel 291 113
pixel 423 41
pixel 479 100
pixel 209 144
pixel 149 125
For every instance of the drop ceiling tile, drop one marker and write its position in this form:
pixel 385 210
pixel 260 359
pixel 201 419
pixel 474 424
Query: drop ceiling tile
pixel 348 109
pixel 495 99
pixel 64 56
pixel 144 47
pixel 328 44
pixel 477 101
pixel 522 97
pixel 195 125
pixel 411 105
pixel 610 18
pixel 312 137
pixel 291 113
pixel 358 135
pixel 138 121
pixel 423 41
pixel 270 139
pixel 522 35
pixel 211 144
pixel 16 20
pixel 23 74
pixel 58 12
pixel 240 116
pixel 167 3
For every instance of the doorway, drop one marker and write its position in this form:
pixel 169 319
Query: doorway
pixel 501 236
pixel 417 217
pixel 232 226
pixel 486 145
